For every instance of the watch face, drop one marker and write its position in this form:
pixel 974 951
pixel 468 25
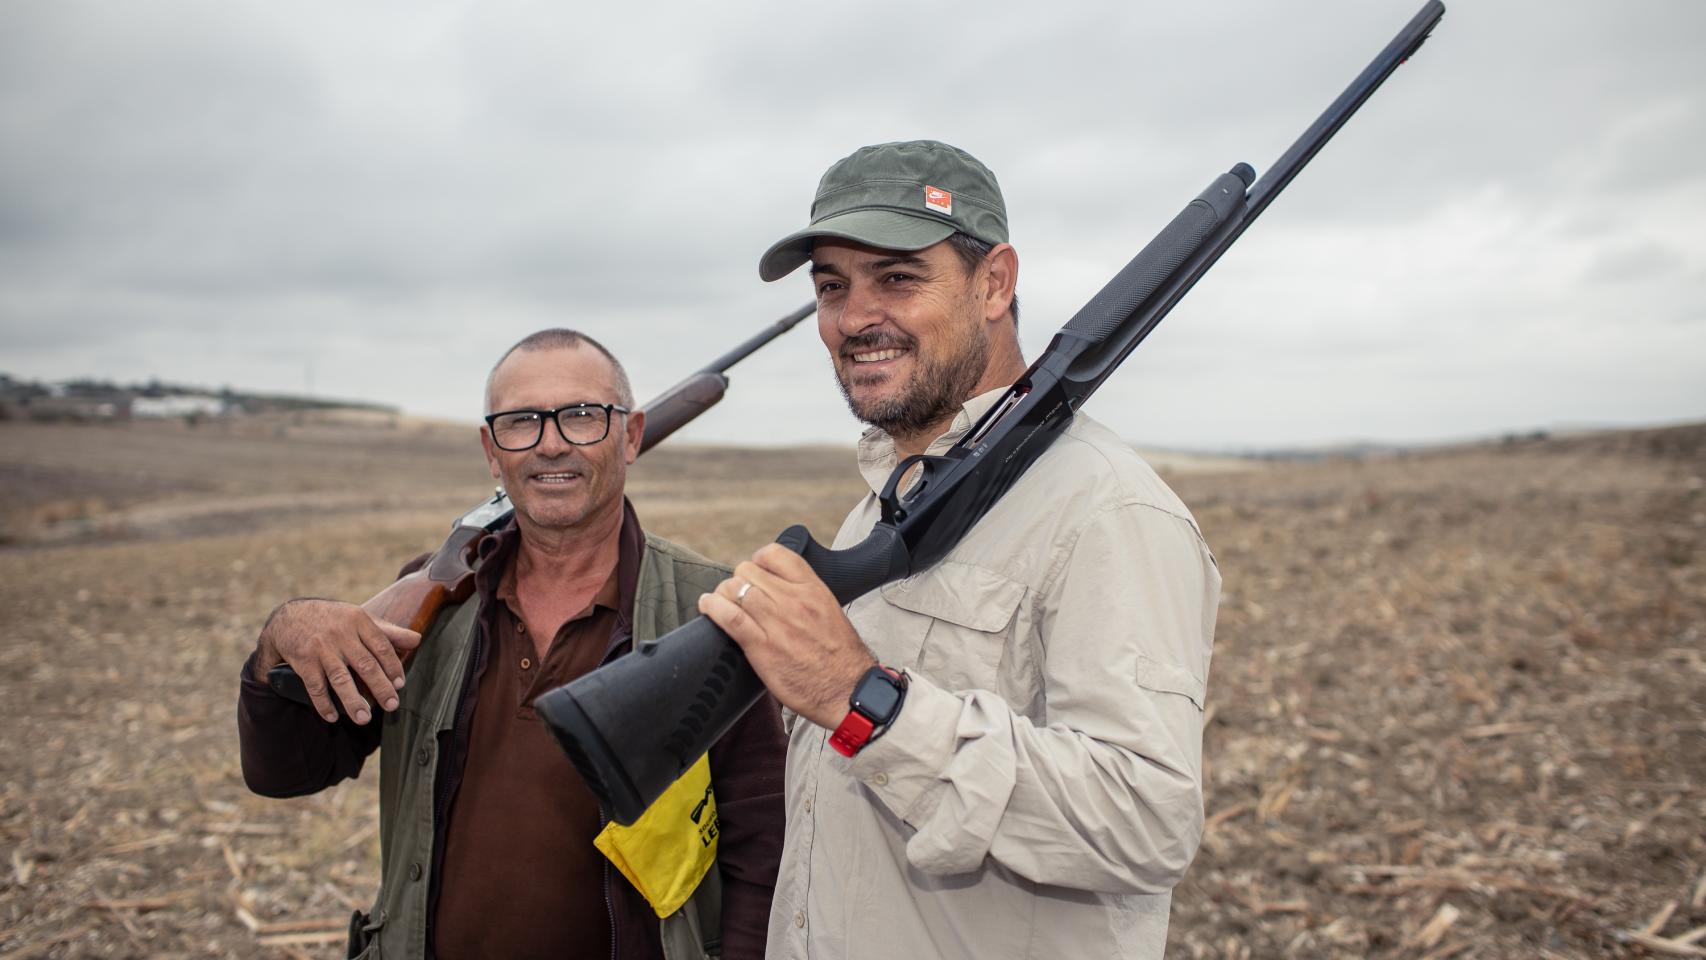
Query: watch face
pixel 876 696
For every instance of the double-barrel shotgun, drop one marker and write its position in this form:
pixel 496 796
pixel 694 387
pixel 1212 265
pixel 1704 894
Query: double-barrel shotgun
pixel 448 576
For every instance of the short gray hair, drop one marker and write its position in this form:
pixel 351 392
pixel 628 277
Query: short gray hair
pixel 562 338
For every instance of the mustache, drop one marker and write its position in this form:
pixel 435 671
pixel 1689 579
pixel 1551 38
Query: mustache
pixel 564 462
pixel 876 340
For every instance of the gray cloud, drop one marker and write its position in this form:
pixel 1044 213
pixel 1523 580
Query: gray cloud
pixel 374 199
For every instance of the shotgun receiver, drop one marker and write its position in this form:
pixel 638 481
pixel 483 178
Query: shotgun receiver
pixel 633 726
pixel 448 576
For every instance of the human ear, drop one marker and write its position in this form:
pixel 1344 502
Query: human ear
pixel 491 451
pixel 636 432
pixel 1000 278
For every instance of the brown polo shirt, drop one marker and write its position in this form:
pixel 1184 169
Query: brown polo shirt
pixel 288 751
pixel 520 877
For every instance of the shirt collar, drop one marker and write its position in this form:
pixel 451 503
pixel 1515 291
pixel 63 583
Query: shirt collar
pixel 495 577
pixel 877 458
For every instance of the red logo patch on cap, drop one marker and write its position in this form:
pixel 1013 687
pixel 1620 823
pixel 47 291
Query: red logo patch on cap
pixel 939 200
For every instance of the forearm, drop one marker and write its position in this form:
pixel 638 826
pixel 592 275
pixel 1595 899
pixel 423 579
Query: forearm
pixel 287 749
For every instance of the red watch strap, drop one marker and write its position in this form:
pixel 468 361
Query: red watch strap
pixel 854 732
pixel 856 728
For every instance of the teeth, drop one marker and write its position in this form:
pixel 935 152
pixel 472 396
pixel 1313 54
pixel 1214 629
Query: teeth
pixel 877 356
pixel 555 477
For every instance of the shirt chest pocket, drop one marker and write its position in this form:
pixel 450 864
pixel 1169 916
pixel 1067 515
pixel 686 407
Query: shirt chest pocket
pixel 968 617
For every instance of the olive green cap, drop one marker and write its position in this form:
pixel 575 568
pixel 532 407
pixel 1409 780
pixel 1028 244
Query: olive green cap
pixel 897 196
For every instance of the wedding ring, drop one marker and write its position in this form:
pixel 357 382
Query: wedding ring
pixel 740 595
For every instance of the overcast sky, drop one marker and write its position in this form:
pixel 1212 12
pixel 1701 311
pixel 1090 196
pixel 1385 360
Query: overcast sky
pixel 372 200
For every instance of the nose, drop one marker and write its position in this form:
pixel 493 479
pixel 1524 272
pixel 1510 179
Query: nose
pixel 551 442
pixel 861 309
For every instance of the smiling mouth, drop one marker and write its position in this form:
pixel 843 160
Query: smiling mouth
pixel 876 356
pixel 555 478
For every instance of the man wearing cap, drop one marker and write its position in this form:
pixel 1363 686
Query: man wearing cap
pixel 999 755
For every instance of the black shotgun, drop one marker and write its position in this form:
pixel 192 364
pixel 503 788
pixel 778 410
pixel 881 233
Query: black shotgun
pixel 632 727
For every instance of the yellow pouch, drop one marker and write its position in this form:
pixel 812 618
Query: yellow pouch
pixel 666 852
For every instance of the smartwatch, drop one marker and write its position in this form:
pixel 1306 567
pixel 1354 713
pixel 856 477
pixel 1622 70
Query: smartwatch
pixel 875 702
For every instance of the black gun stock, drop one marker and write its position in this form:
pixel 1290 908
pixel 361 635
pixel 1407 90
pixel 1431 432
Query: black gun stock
pixel 448 576
pixel 608 720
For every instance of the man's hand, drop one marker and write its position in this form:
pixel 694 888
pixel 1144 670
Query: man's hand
pixel 794 633
pixel 332 644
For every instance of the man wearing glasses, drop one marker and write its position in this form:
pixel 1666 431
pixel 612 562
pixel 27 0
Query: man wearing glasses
pixel 493 854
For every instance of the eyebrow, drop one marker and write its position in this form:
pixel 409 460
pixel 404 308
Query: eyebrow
pixel 875 266
pixel 562 406
pixel 904 260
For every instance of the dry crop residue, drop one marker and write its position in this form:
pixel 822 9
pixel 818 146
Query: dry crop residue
pixel 1457 701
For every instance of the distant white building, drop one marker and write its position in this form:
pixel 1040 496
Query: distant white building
pixel 177 406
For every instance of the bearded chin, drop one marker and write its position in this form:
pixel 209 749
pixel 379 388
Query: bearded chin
pixel 931 396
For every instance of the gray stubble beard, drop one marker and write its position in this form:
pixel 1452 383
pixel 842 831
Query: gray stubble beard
pixel 934 393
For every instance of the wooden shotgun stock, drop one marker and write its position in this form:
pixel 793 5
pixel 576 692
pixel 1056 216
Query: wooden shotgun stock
pixel 414 600
pixel 448 577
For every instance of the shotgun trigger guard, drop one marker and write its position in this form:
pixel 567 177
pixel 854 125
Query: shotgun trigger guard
pixel 895 502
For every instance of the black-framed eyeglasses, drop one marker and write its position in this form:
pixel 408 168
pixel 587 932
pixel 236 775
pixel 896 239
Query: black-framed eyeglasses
pixel 579 424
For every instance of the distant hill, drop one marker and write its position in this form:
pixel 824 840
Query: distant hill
pixel 87 398
pixel 1676 441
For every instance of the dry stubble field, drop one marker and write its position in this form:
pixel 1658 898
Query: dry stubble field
pixel 1458 699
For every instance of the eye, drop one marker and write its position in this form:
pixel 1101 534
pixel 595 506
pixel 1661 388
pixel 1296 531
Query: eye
pixel 898 277
pixel 578 413
pixel 826 287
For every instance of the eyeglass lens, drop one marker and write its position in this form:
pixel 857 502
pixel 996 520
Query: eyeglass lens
pixel 525 428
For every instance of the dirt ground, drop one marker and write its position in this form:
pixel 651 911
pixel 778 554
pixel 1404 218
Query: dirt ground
pixel 1458 700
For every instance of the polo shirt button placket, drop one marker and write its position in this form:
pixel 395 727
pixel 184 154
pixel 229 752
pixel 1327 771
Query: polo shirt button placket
pixel 415 871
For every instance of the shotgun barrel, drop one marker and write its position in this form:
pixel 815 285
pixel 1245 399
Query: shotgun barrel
pixel 634 726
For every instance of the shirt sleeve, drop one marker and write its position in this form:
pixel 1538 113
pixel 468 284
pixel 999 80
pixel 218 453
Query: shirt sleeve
pixel 288 749
pixel 1105 792
pixel 747 777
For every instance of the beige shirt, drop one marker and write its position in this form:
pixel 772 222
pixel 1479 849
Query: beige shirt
pixel 1040 793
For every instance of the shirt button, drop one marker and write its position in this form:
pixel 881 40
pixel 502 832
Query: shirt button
pixel 808 806
pixel 520 627
pixel 881 779
pixel 422 757
pixel 414 871
pixel 525 663
pixel 799 919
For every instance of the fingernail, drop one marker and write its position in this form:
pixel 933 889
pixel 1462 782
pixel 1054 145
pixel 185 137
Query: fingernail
pixel 361 716
pixel 397 682
pixel 330 717
pixel 391 704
